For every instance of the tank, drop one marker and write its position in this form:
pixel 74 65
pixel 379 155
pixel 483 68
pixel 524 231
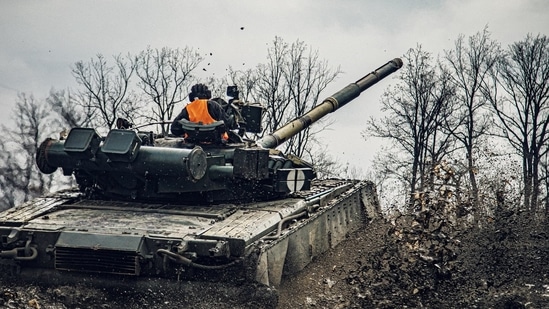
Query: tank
pixel 194 208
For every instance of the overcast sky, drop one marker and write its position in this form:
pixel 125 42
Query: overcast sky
pixel 41 39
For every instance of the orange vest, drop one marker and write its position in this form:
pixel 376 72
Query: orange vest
pixel 198 113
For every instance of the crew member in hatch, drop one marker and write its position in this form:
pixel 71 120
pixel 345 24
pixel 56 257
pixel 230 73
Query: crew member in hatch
pixel 200 110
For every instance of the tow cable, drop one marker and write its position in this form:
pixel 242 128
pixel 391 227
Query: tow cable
pixel 28 254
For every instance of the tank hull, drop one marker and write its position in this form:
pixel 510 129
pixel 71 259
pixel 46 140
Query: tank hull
pixel 65 236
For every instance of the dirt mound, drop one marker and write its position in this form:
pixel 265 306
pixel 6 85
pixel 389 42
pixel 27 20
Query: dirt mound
pixel 415 261
pixel 423 261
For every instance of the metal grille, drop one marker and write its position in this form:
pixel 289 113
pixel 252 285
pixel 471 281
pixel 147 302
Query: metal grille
pixel 97 261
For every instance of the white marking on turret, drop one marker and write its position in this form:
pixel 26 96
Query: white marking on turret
pixel 295 180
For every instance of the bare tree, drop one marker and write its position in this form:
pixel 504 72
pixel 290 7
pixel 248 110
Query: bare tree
pixel 9 172
pixel 164 77
pixel 307 76
pixel 523 110
pixel 67 107
pixel 271 87
pixel 106 88
pixel 470 64
pixel 19 178
pixel 416 108
pixel 290 84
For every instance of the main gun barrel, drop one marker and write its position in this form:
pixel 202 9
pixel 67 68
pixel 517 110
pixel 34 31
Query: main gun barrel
pixel 329 105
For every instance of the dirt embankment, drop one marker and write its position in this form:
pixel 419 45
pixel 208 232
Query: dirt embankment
pixel 423 261
pixel 416 261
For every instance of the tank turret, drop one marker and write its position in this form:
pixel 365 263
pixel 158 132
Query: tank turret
pixel 128 164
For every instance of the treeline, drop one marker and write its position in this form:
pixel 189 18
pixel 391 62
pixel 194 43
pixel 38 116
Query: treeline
pixel 469 127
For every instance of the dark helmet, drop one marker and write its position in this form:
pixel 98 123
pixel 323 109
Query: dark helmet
pixel 200 91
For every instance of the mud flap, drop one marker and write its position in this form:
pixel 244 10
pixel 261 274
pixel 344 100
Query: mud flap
pixel 368 195
pixel 271 263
